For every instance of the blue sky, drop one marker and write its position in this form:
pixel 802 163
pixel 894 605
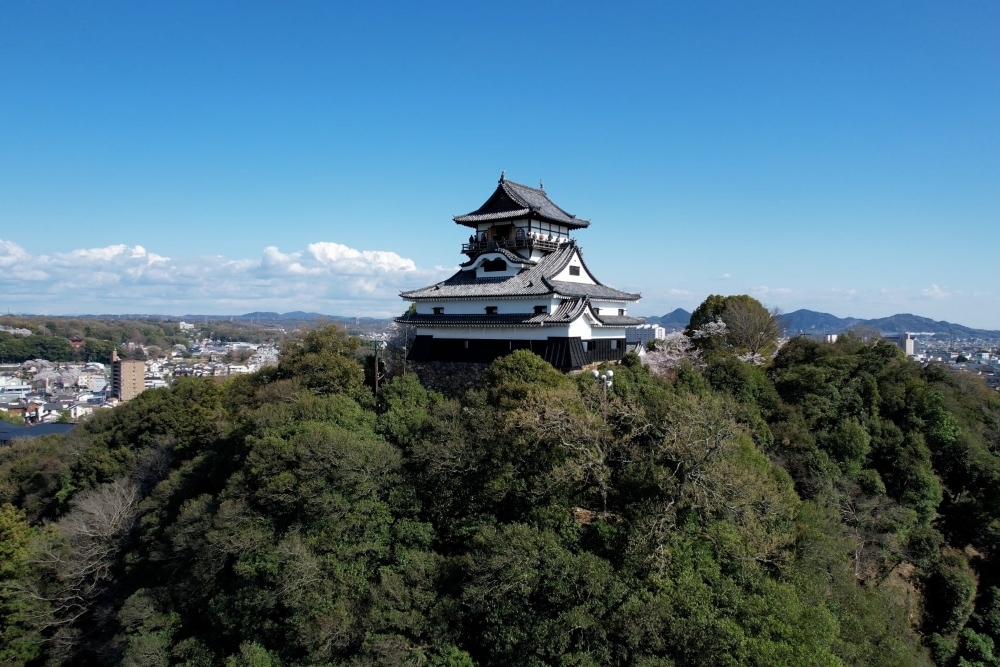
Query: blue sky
pixel 177 158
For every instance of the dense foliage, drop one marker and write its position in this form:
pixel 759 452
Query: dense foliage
pixel 834 507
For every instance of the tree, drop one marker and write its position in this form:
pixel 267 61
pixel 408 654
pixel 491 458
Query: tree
pixel 751 329
pixel 738 324
pixel 671 353
pixel 20 641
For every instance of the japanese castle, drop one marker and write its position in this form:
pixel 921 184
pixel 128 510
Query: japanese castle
pixel 525 286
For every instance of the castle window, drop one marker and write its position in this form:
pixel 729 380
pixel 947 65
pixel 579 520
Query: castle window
pixel 439 310
pixel 614 345
pixel 466 345
pixel 541 310
pixel 492 265
pixel 574 270
pixel 491 310
pixel 621 311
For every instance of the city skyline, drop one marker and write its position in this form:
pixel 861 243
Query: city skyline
pixel 230 159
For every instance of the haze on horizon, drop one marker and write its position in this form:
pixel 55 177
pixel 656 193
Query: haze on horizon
pixel 190 159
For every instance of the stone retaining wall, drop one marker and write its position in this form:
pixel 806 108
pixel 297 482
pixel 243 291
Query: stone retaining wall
pixel 450 378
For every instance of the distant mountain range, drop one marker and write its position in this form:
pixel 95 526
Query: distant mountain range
pixel 811 321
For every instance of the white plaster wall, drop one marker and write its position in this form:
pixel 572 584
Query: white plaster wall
pixel 504 334
pixel 478 307
pixel 608 332
pixel 581 327
pixel 610 307
pixel 584 277
pixel 512 270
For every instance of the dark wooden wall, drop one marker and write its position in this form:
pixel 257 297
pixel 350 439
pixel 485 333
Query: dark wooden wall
pixel 564 353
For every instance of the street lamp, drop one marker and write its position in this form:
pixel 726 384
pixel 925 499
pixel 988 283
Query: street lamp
pixel 605 377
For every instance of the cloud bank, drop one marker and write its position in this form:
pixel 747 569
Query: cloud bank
pixel 326 277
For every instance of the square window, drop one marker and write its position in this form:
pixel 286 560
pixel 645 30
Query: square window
pixel 574 270
pixel 439 310
pixel 491 310
pixel 621 311
pixel 541 310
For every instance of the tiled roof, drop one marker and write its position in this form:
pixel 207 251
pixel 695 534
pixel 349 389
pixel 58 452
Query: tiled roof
pixel 593 291
pixel 621 320
pixel 512 200
pixel 532 282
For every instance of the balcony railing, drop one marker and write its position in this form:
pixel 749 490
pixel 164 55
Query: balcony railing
pixel 478 247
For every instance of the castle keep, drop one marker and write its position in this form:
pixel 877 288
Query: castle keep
pixel 524 286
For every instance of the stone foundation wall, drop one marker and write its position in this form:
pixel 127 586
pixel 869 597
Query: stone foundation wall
pixel 451 378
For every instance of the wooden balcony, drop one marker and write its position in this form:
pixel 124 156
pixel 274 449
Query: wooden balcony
pixel 479 247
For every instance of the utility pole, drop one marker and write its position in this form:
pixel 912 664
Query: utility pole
pixel 376 345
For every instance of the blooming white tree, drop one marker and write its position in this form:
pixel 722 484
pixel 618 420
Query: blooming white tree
pixel 711 329
pixel 755 358
pixel 670 353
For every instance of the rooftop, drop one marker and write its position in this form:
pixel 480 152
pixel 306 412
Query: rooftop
pixel 511 201
pixel 536 281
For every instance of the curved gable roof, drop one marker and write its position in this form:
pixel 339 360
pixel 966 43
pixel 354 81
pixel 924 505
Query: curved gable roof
pixel 513 200
pixel 536 281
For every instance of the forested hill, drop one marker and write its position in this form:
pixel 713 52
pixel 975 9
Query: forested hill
pixel 836 506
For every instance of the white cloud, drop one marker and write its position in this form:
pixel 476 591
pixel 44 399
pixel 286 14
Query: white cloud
pixel 328 277
pixel 724 276
pixel 764 290
pixel 935 292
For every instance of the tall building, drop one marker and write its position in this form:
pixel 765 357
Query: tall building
pixel 904 341
pixel 524 286
pixel 644 333
pixel 127 377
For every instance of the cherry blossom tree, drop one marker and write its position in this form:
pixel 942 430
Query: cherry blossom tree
pixel 670 353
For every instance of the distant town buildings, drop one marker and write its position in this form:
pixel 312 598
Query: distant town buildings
pixel 43 392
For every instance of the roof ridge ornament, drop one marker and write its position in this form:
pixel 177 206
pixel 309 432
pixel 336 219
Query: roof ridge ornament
pixel 503 175
pixel 541 186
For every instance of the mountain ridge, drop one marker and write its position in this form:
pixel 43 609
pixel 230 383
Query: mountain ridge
pixel 812 321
